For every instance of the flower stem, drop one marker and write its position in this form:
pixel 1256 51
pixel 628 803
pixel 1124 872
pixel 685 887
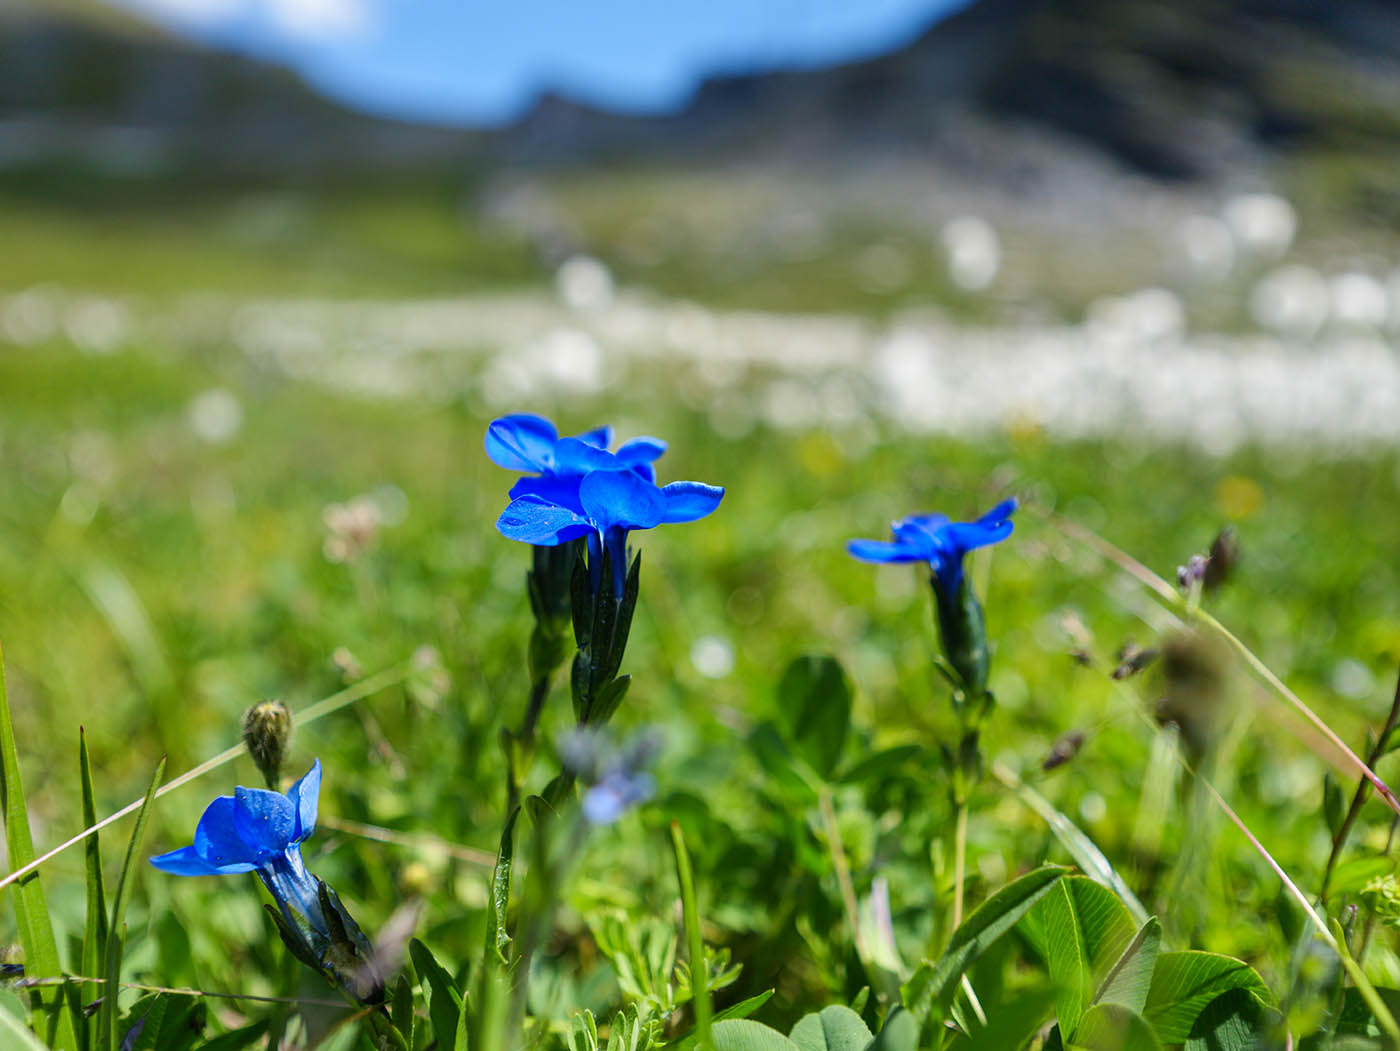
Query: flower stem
pixel 843 869
pixel 959 859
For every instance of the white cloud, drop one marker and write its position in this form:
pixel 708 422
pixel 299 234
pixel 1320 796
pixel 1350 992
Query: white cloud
pixel 318 18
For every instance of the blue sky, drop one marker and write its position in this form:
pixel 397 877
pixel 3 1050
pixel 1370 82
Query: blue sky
pixel 483 61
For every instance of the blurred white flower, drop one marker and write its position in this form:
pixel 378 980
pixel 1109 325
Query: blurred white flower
pixel 1292 300
pixel 215 416
pixel 95 325
pixel 583 283
pixel 973 252
pixel 1263 223
pixel 1358 300
pixel 1206 247
pixel 712 656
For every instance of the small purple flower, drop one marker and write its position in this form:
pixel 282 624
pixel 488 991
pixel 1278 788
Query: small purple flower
pixel 616 777
pixel 255 830
pixel 932 538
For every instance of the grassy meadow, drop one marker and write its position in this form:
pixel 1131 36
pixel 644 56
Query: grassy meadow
pixel 168 558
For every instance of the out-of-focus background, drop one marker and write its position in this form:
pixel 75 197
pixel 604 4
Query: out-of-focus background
pixel 267 268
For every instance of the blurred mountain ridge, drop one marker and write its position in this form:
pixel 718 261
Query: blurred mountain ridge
pixel 1177 93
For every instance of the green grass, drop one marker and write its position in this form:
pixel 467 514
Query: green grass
pixel 217 551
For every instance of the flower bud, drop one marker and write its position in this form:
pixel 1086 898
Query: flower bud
pixel 267 733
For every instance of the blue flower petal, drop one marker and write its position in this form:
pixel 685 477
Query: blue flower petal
pixel 534 521
pixel 881 551
pixel 598 437
pixel 551 488
pixel 621 499
pixel 963 537
pixel 640 450
pixel 304 796
pixel 265 820
pixel 574 456
pixel 688 501
pixel 187 862
pixel 1000 512
pixel 522 442
pixel 218 841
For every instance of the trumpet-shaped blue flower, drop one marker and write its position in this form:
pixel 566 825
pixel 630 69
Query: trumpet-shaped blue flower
pixel 255 830
pixel 932 538
pixel 611 503
pixel 526 442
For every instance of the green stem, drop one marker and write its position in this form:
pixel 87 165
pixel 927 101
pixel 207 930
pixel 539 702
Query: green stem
pixel 842 867
pixel 959 859
pixel 699 977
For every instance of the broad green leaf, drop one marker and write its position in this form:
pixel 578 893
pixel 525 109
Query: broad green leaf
pixel 814 707
pixel 742 1034
pixel 31 909
pixel 899 1033
pixel 742 1009
pixel 1183 983
pixel 1130 977
pixel 1079 928
pixel 1351 877
pixel 929 992
pixel 444 1002
pixel 881 763
pixel 835 1028
pixel 1230 1022
pixel 116 930
pixel 16 1036
pixel 1355 1016
pixel 1112 1027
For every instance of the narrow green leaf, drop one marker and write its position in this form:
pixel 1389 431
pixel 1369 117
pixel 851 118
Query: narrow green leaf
pixel 116 930
pixel 17 1036
pixel 1112 1027
pixel 1128 981
pixel 239 1038
pixel 497 934
pixel 95 926
pixel 880 764
pixel 835 1028
pixel 464 1024
pixel 699 972
pixel 1085 851
pixel 401 1008
pixel 1184 983
pixel 929 992
pixel 742 1034
pixel 31 908
pixel 444 1002
pixel 742 1009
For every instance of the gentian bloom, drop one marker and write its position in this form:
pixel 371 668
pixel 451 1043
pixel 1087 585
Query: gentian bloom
pixel 526 442
pixel 616 777
pixel 611 503
pixel 942 544
pixel 255 830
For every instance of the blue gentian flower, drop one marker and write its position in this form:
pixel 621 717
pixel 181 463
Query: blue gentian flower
pixel 255 830
pixel 526 442
pixel 932 538
pixel 610 504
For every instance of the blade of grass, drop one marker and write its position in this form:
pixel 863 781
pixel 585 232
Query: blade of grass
pixel 31 909
pixel 116 931
pixel 336 701
pixel 1085 851
pixel 699 975
pixel 1344 759
pixel 95 928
